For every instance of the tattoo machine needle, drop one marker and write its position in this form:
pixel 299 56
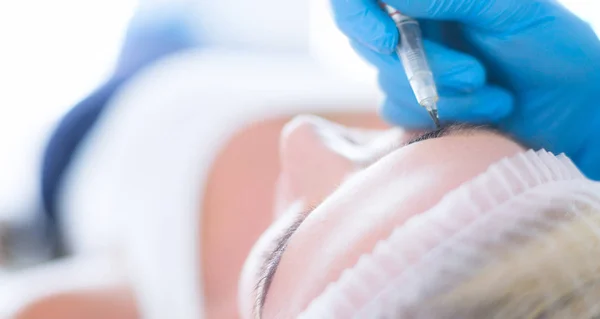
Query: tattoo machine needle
pixel 412 54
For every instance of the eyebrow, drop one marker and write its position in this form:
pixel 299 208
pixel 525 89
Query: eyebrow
pixel 271 263
pixel 457 128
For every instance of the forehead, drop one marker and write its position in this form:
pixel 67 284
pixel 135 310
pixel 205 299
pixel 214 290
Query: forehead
pixel 370 205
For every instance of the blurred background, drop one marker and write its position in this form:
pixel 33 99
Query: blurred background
pixel 40 88
pixel 56 53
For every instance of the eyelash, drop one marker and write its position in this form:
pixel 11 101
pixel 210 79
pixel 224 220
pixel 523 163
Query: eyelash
pixel 274 246
pixel 269 257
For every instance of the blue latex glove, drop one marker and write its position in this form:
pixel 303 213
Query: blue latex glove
pixel 530 67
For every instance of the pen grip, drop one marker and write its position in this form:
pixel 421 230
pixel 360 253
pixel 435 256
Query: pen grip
pixel 410 48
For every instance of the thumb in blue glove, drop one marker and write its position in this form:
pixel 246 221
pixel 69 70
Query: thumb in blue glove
pixel 529 66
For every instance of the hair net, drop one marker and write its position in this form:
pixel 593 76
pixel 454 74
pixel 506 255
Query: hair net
pixel 519 241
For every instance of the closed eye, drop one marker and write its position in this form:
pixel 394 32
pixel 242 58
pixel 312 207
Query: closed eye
pixel 271 262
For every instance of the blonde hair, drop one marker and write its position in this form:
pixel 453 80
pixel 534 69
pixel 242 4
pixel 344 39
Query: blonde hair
pixel 553 275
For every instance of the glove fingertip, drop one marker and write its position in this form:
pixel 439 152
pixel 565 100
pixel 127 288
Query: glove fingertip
pixel 492 104
pixel 455 70
pixel 473 73
pixel 502 106
pixel 486 105
pixel 464 77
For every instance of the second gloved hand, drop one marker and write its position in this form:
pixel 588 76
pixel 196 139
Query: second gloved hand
pixel 529 66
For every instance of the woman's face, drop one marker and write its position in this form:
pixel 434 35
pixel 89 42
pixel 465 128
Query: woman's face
pixel 379 191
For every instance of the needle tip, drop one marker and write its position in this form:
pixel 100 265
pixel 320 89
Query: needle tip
pixel 435 117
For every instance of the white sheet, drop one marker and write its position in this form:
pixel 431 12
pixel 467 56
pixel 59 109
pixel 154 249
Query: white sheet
pixel 139 178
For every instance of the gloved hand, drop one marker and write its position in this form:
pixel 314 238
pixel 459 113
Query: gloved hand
pixel 530 67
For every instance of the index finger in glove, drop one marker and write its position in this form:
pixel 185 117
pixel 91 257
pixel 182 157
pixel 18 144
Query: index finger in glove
pixel 451 69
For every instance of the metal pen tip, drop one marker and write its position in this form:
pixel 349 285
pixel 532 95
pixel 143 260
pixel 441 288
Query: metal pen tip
pixel 435 117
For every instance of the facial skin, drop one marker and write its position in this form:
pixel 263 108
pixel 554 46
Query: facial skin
pixel 381 194
pixel 238 202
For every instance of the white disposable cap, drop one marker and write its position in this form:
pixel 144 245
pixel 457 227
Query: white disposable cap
pixel 511 243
